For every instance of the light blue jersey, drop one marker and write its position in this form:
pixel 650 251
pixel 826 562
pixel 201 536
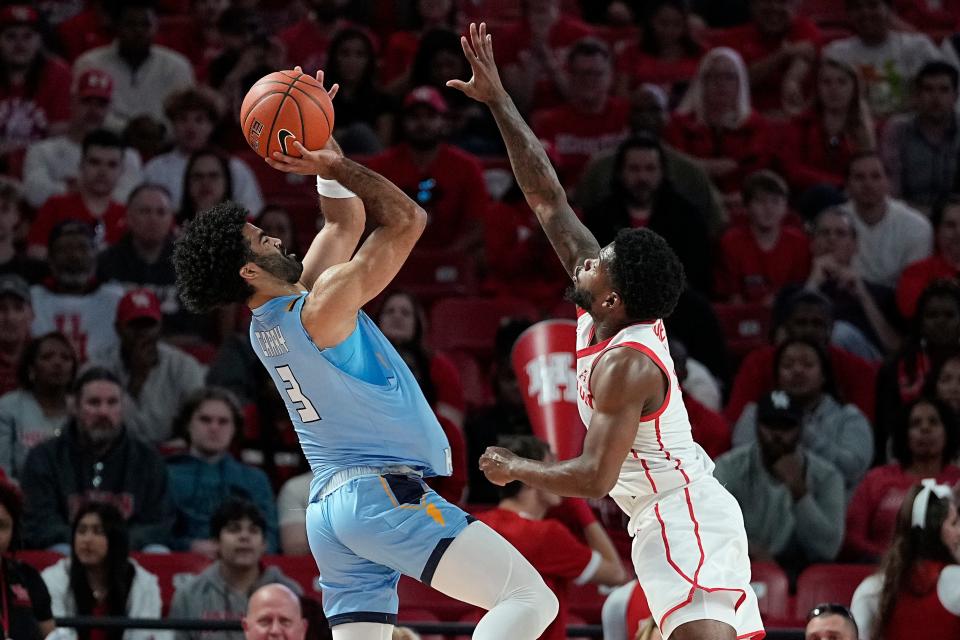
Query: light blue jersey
pixel 355 404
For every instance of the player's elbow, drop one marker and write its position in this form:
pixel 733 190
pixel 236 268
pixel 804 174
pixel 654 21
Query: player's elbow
pixel 598 485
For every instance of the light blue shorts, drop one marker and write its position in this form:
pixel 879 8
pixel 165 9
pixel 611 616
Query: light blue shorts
pixel 369 531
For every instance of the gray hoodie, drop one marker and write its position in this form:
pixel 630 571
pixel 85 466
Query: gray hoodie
pixel 207 597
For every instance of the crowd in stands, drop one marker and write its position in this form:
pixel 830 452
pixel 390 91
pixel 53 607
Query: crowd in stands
pixel 802 158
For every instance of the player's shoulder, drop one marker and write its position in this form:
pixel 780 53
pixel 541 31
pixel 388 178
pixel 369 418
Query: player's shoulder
pixel 628 365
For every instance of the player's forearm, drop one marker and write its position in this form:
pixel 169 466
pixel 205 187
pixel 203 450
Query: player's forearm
pixel 577 477
pixel 386 204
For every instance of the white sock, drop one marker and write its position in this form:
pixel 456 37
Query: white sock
pixel 363 631
pixel 481 568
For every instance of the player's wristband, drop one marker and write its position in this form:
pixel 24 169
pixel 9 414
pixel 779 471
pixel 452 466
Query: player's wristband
pixel 333 189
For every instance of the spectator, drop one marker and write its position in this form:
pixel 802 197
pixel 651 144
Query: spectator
pixel 34 87
pixel 830 621
pixel 274 611
pixel 38 410
pixel 144 73
pixel 833 430
pixel 101 165
pixel 13 261
pixel 532 51
pixel 918 586
pixel 944 263
pixel 72 301
pixel 761 258
pixel 194 113
pixel 446 182
pixel 275 221
pixel 717 125
pixel 28 614
pixel 551 548
pixel 710 429
pixel 292 513
pixel 156 377
pixel 95 459
pixel 943 382
pixel 402 46
pixel 198 39
pixel 820 142
pixel 207 475
pixel 924 440
pixel 16 316
pixel 308 40
pixel 667 54
pixel 920 148
pixel 146 135
pixel 779 49
pixel 932 336
pixel 364 122
pixel 88 28
pixel 52 165
pixel 207 182
pixel 648 117
pixel 866 306
pixel 100 579
pixel 590 120
pixel 891 235
pixel 804 315
pixel 641 197
pixel 887 59
pixel 793 500
pixel 402 319
pixel 222 591
pixel 927 15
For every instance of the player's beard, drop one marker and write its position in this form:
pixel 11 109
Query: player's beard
pixel 579 296
pixel 284 266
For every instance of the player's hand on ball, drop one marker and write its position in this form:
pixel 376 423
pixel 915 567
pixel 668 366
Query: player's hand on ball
pixel 485 85
pixel 332 91
pixel 308 164
pixel 495 464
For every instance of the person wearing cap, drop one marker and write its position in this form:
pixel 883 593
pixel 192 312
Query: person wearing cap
pixel 143 73
pixel 590 120
pixel 72 300
pixel 16 316
pixel 100 168
pixel 156 377
pixel 793 500
pixel 95 459
pixel 52 165
pixel 445 181
pixel 195 112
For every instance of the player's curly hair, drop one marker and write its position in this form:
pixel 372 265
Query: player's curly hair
pixel 208 257
pixel 647 273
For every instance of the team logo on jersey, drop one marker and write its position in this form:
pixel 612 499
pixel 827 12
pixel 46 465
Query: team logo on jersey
pixel 552 378
pixel 282 136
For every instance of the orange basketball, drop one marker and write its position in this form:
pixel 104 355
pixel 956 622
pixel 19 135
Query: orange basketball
pixel 285 105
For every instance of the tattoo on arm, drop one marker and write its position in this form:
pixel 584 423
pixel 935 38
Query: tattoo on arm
pixel 385 202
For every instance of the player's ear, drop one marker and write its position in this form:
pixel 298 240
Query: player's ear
pixel 249 271
pixel 612 300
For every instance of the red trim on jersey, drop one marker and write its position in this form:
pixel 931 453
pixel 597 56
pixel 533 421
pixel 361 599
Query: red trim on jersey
pixel 645 350
pixel 759 634
pixel 581 312
pixel 593 348
pixel 646 469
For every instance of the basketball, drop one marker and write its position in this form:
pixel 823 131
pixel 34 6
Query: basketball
pixel 282 106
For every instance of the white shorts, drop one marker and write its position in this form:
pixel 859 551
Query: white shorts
pixel 690 555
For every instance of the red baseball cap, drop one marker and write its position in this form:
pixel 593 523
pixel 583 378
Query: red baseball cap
pixel 94 83
pixel 426 96
pixel 136 304
pixel 19 14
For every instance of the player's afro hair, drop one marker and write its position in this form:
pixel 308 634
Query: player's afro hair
pixel 208 258
pixel 647 273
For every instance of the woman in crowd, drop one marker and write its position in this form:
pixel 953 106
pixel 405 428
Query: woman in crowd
pixel 924 441
pixel 819 143
pixel 944 382
pixel 37 410
pixel 402 45
pixel 100 579
pixel 277 223
pixel 27 615
pixel 944 263
pixel 207 182
pixel 917 592
pixel 835 431
pixel 403 321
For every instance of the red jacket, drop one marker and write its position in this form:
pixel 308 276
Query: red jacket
pixel 810 156
pixel 915 279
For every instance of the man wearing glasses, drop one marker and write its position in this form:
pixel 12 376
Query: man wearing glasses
pixel 830 622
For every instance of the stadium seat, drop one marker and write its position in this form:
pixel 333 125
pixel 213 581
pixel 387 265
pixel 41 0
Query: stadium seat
pixel 828 13
pixel 470 324
pixel 431 275
pixel 272 182
pixel 475 381
pixel 446 608
pixel 172 570
pixel 302 569
pixel 770 584
pixel 828 583
pixel 745 326
pixel 585 601
pixel 39 560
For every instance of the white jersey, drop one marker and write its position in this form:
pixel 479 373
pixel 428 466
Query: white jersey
pixel 664 455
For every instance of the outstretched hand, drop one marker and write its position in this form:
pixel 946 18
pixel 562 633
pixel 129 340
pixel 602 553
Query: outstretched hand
pixel 495 464
pixel 316 162
pixel 485 85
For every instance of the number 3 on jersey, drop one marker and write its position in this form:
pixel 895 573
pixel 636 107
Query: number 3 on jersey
pixel 305 408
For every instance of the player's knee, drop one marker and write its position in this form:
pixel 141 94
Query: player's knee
pixel 545 602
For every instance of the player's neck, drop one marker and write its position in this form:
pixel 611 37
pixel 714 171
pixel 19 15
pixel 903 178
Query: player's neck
pixel 273 290
pixel 607 328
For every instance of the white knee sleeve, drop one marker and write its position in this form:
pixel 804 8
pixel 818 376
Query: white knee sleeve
pixel 363 631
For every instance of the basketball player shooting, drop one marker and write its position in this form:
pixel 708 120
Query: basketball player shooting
pixel 364 425
pixel 689 548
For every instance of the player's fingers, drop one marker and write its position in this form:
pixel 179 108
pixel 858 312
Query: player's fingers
pixel 467 50
pixel 488 47
pixel 332 92
pixel 279 166
pixel 459 85
pixel 299 147
pixel 298 69
pixel 320 76
pixel 474 38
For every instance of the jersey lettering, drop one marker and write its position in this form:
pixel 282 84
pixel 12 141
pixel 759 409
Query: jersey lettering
pixel 306 410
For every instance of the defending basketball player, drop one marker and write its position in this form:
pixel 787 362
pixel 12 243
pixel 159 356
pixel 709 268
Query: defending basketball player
pixel 365 428
pixel 690 548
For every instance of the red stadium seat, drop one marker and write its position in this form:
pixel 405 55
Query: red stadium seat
pixel 413 592
pixel 745 326
pixel 302 569
pixel 475 381
pixel 39 560
pixel 172 570
pixel 470 324
pixel 431 275
pixel 275 183
pixel 772 589
pixel 585 601
pixel 828 583
pixel 824 12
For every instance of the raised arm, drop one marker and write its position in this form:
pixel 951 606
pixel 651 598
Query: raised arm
pixel 572 241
